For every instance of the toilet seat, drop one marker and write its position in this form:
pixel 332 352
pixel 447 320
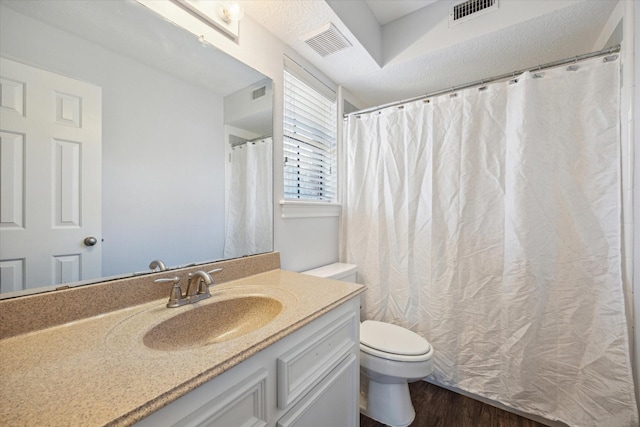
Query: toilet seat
pixel 393 342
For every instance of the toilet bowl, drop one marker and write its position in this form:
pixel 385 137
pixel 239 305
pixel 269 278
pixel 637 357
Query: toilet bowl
pixel 390 358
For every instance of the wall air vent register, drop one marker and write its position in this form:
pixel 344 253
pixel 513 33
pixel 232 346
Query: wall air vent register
pixel 463 11
pixel 258 93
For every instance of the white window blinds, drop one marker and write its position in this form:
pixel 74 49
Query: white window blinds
pixel 309 142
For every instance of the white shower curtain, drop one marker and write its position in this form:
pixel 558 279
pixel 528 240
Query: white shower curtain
pixel 489 222
pixel 249 215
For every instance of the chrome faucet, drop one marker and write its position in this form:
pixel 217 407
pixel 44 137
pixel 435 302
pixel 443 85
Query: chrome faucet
pixel 197 288
pixel 156 263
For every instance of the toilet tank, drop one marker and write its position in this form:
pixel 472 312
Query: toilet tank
pixel 336 271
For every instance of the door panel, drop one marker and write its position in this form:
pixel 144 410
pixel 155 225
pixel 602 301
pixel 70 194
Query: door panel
pixel 50 178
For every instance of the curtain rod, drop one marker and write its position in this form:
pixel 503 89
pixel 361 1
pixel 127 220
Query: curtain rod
pixel 582 57
pixel 235 144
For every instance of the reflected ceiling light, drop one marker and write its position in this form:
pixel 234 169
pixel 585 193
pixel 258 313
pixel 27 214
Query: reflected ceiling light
pixel 223 16
pixel 231 11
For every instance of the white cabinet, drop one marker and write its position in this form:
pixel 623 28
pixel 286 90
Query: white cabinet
pixel 330 403
pixel 242 405
pixel 307 363
pixel 309 378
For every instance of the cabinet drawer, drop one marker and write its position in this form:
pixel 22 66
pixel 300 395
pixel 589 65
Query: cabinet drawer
pixel 301 368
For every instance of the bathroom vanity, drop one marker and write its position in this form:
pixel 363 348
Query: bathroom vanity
pixel 296 365
pixel 309 378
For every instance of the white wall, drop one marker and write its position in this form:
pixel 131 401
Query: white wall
pixel 159 138
pixel 163 171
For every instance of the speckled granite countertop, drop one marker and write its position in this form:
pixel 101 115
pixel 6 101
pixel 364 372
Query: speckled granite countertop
pixel 97 371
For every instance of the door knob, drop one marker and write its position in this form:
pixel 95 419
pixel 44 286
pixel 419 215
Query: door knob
pixel 90 241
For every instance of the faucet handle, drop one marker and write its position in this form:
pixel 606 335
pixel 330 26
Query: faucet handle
pixel 176 299
pixel 173 280
pixel 215 270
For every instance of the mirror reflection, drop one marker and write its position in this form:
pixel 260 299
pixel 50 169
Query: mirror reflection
pixel 125 140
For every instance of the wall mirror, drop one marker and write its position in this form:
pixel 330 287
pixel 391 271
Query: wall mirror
pixel 182 167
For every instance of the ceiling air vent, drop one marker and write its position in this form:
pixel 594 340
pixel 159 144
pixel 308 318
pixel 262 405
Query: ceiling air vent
pixel 326 40
pixel 460 12
pixel 258 93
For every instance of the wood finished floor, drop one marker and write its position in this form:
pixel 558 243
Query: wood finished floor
pixel 438 407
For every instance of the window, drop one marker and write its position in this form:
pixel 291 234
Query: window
pixel 309 141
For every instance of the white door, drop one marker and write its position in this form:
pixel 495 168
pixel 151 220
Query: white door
pixel 50 178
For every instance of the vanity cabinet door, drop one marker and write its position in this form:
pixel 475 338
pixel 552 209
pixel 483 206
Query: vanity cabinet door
pixel 305 365
pixel 331 403
pixel 241 405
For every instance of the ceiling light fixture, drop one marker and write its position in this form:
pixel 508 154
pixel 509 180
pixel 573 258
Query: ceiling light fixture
pixel 231 11
pixel 223 16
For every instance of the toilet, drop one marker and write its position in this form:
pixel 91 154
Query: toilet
pixel 390 358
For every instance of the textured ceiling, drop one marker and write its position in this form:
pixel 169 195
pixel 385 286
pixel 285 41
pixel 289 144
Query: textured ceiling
pixel 566 32
pixel 563 34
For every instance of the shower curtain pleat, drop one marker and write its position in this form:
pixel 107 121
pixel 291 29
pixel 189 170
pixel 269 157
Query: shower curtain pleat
pixel 489 222
pixel 249 216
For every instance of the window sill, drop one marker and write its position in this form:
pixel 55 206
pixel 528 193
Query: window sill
pixel 294 209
